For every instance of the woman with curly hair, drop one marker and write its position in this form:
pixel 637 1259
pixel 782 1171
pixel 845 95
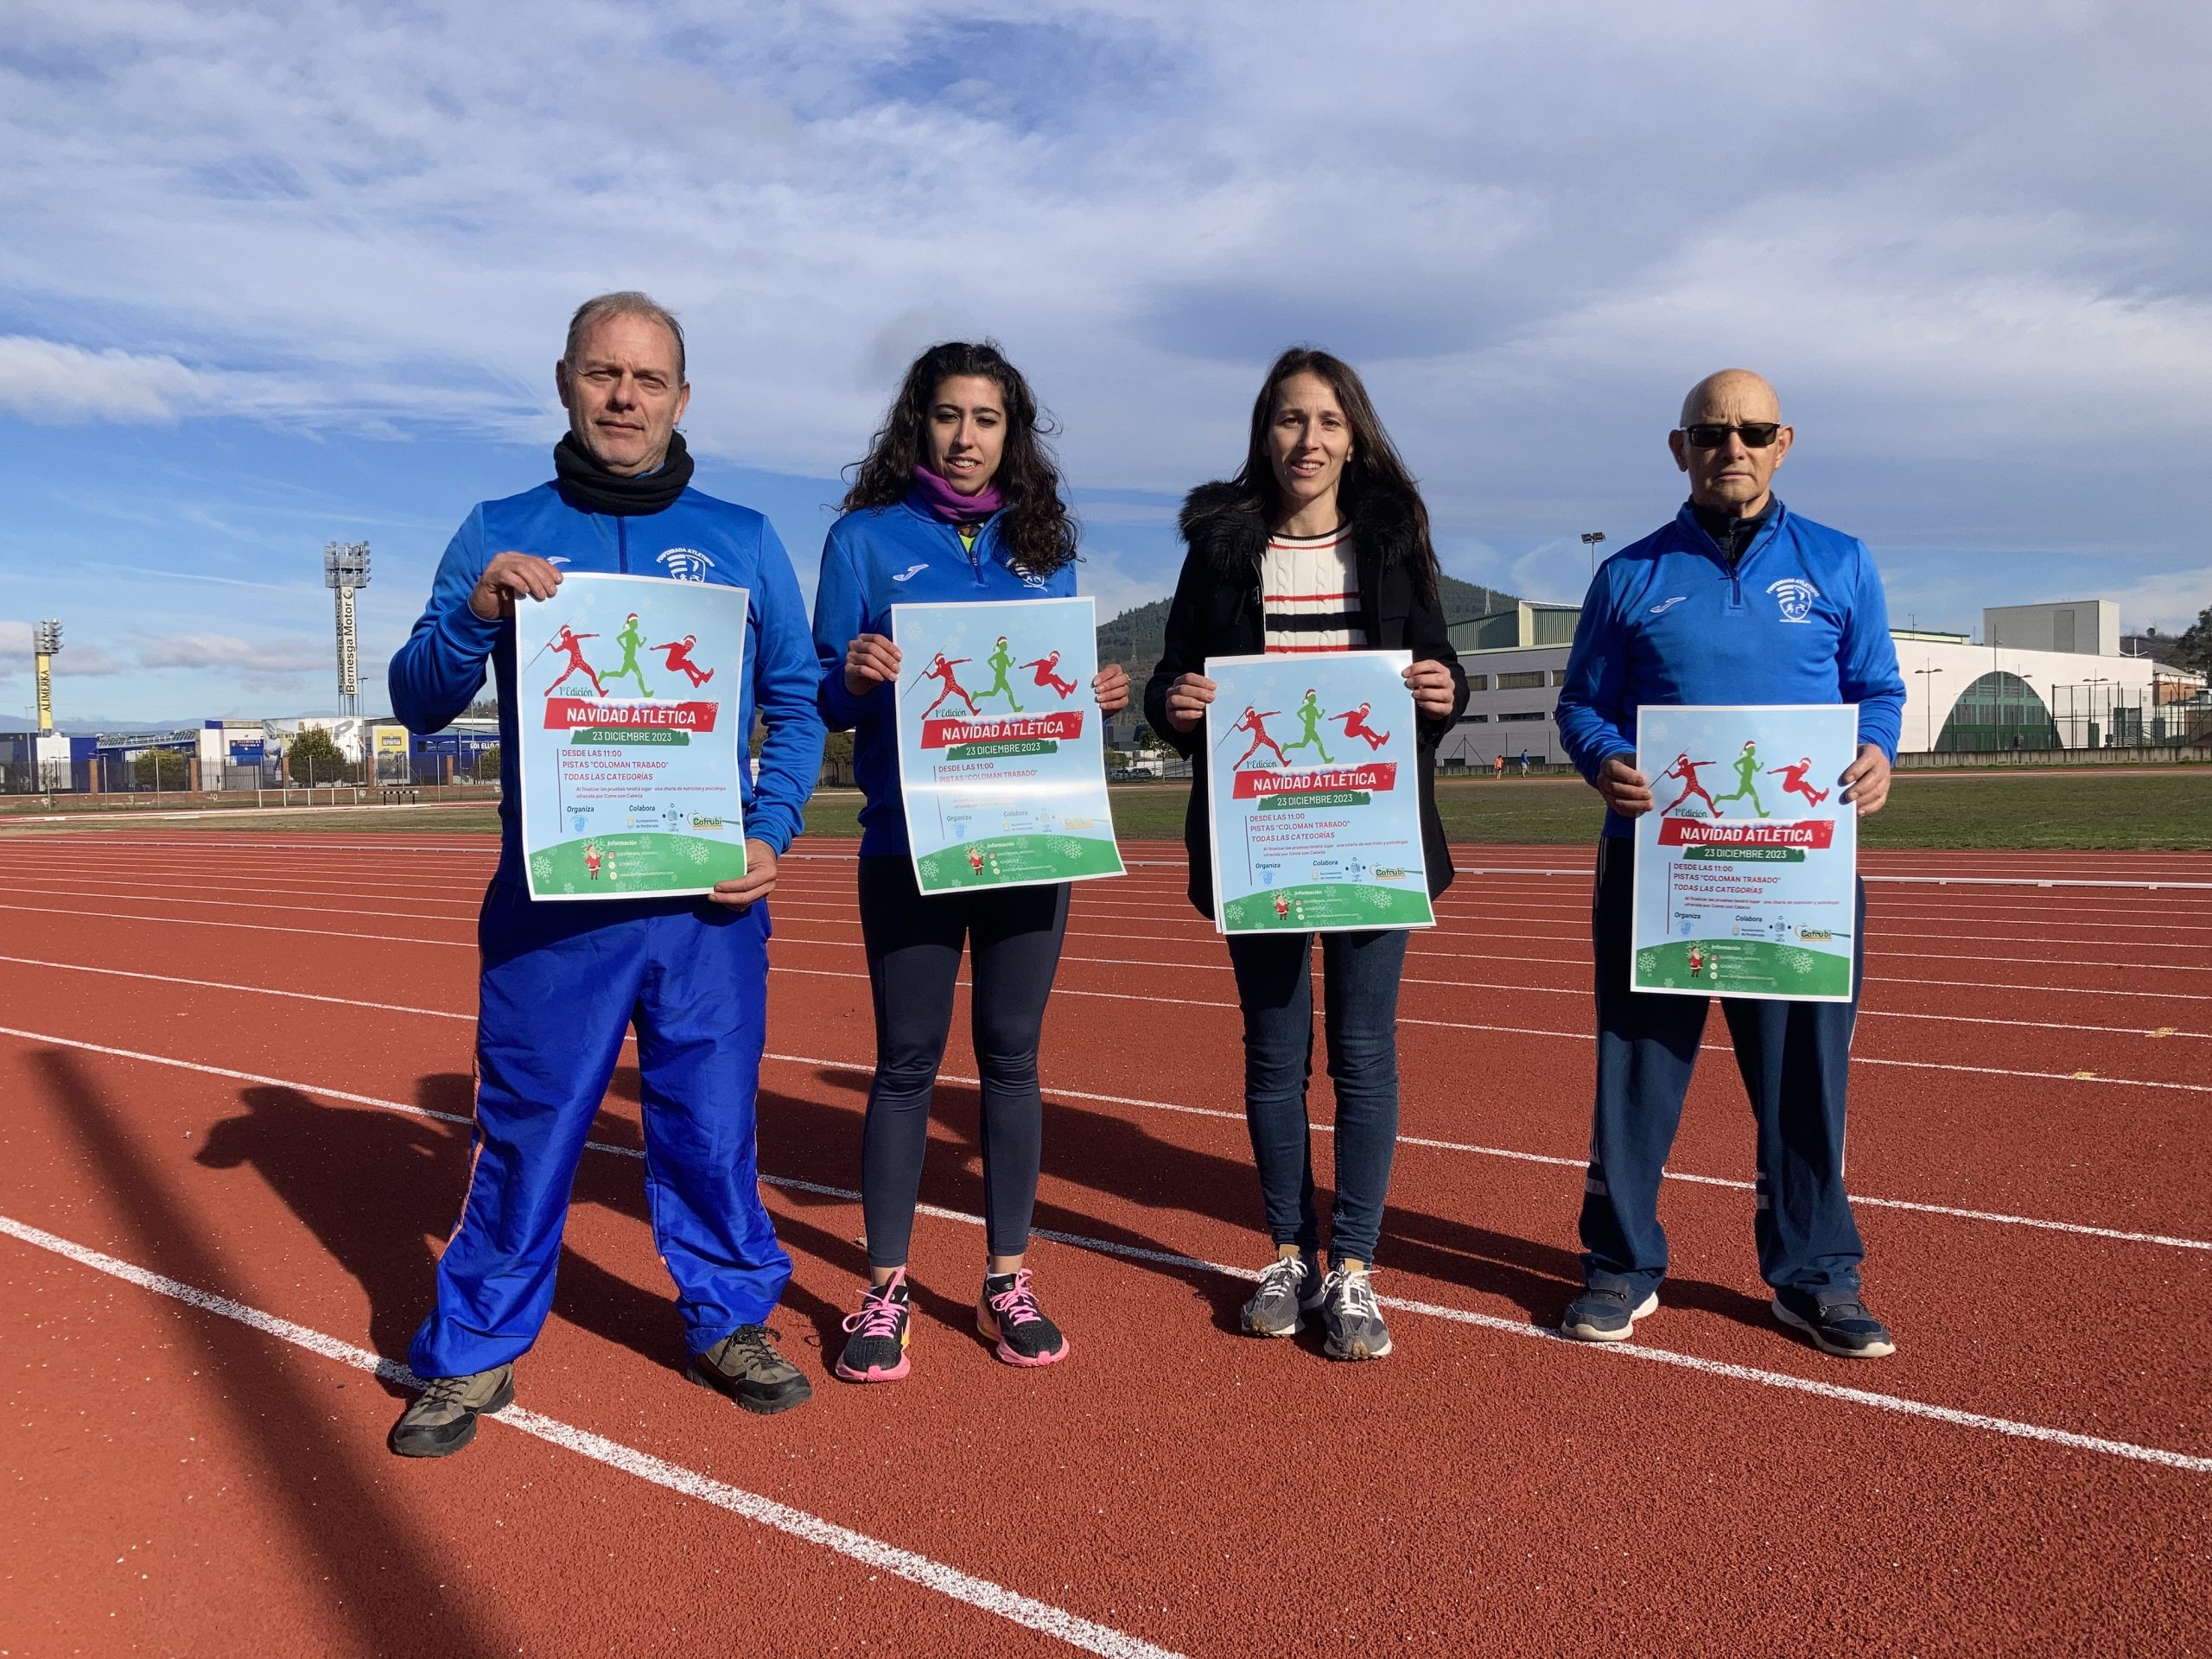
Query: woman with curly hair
pixel 1319 544
pixel 958 500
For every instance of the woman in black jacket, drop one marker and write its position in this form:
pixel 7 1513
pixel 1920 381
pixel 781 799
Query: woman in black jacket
pixel 1319 544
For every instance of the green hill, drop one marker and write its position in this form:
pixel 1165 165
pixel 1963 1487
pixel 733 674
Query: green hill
pixel 1135 638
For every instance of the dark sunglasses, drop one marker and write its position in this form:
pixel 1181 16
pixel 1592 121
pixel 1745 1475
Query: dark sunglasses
pixel 1711 434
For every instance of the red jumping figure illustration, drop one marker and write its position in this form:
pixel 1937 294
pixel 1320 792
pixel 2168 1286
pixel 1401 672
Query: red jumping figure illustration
pixel 574 645
pixel 1355 724
pixel 1255 721
pixel 1686 769
pixel 1793 780
pixel 941 669
pixel 1062 689
pixel 679 659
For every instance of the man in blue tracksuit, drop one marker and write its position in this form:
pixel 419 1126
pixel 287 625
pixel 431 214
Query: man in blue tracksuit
pixel 563 983
pixel 1738 600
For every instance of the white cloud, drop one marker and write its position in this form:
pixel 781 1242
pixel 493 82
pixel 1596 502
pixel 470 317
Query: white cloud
pixel 74 661
pixel 53 384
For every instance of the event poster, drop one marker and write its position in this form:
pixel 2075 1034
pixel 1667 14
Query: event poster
pixel 628 720
pixel 1001 759
pixel 1747 867
pixel 1313 794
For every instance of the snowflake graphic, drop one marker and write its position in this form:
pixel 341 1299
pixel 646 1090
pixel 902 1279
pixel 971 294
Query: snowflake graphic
pixel 541 866
pixel 1375 898
pixel 1799 962
pixel 1646 963
pixel 695 851
pixel 1066 846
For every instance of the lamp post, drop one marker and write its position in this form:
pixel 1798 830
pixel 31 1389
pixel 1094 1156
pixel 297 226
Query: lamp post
pixel 346 568
pixel 1928 699
pixel 1590 540
pixel 46 641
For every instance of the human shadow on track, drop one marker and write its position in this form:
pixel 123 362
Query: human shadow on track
pixel 1125 1161
pixel 390 1583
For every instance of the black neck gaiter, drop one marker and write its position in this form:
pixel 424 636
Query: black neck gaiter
pixel 584 483
pixel 1730 534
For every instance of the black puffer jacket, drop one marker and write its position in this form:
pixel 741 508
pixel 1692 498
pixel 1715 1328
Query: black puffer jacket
pixel 1217 613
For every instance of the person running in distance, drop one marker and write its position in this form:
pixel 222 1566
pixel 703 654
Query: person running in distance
pixel 1047 678
pixel 1524 760
pixel 998 662
pixel 940 670
pixel 678 660
pixel 1309 722
pixel 1778 610
pixel 1746 766
pixel 632 640
pixel 1686 769
pixel 1793 780
pixel 573 644
pixel 1497 766
pixel 957 500
pixel 1255 721
pixel 1355 725
pixel 1320 543
pixel 560 985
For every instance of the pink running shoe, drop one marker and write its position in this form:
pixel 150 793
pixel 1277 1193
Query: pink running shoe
pixel 1009 1312
pixel 875 1351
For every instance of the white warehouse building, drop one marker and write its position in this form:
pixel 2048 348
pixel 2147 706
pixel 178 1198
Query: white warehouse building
pixel 2047 676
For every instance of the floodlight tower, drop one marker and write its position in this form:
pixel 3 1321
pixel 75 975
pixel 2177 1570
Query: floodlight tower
pixel 45 640
pixel 345 569
pixel 1590 540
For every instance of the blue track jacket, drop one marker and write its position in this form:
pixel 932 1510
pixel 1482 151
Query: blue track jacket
pixel 438 671
pixel 1802 619
pixel 876 558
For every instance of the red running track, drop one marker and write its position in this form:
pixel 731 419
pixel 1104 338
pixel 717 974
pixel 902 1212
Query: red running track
pixel 238 1065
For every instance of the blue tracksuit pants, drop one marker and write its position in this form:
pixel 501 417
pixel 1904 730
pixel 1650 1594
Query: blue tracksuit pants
pixel 1794 1058
pixel 561 984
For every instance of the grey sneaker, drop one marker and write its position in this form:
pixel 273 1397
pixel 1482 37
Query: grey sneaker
pixel 1355 1323
pixel 1290 1288
pixel 1602 1313
pixel 747 1366
pixel 441 1419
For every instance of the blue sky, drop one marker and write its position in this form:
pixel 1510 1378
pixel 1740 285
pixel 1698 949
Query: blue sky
pixel 278 275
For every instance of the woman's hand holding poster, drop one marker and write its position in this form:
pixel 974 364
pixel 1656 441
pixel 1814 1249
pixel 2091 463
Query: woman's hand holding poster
pixel 1313 794
pixel 1000 759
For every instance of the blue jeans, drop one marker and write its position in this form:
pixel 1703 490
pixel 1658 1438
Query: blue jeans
pixel 1274 984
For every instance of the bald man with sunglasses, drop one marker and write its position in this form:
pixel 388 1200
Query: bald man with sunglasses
pixel 1737 600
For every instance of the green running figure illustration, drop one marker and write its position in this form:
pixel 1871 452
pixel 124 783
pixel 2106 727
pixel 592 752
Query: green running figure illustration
pixel 1747 776
pixel 632 642
pixel 998 662
pixel 1309 716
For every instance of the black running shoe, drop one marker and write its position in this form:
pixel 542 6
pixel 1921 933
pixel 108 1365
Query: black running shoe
pixel 1604 1313
pixel 747 1366
pixel 1837 1321
pixel 875 1349
pixel 1008 1311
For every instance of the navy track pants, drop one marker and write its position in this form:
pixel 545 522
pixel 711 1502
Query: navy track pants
pixel 1794 1058
pixel 561 984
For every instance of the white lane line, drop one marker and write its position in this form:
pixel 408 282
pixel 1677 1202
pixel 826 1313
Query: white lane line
pixel 2079 1229
pixel 915 1568
pixel 771 1512
pixel 239 904
pixel 249 927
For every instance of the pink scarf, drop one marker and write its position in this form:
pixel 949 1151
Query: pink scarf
pixel 936 496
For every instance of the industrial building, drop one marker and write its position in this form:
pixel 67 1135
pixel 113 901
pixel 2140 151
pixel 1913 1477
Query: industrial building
pixel 2043 677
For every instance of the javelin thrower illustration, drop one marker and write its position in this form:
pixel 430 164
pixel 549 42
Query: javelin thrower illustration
pixel 630 639
pixel 998 662
pixel 1255 721
pixel 1045 665
pixel 1355 725
pixel 1793 780
pixel 1686 769
pixel 940 669
pixel 679 659
pixel 574 645
pixel 1309 716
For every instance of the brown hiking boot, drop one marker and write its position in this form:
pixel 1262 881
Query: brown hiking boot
pixel 442 1420
pixel 747 1366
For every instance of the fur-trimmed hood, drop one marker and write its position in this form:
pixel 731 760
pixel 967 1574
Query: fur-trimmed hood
pixel 1228 527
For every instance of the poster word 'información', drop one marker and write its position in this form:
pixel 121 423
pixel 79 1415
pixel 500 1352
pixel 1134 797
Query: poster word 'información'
pixel 1315 818
pixel 1001 760
pixel 1747 867
pixel 627 716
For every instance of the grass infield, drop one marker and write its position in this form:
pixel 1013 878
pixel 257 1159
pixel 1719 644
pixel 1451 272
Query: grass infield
pixel 2168 810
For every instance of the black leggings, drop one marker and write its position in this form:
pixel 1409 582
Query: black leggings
pixel 913 956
